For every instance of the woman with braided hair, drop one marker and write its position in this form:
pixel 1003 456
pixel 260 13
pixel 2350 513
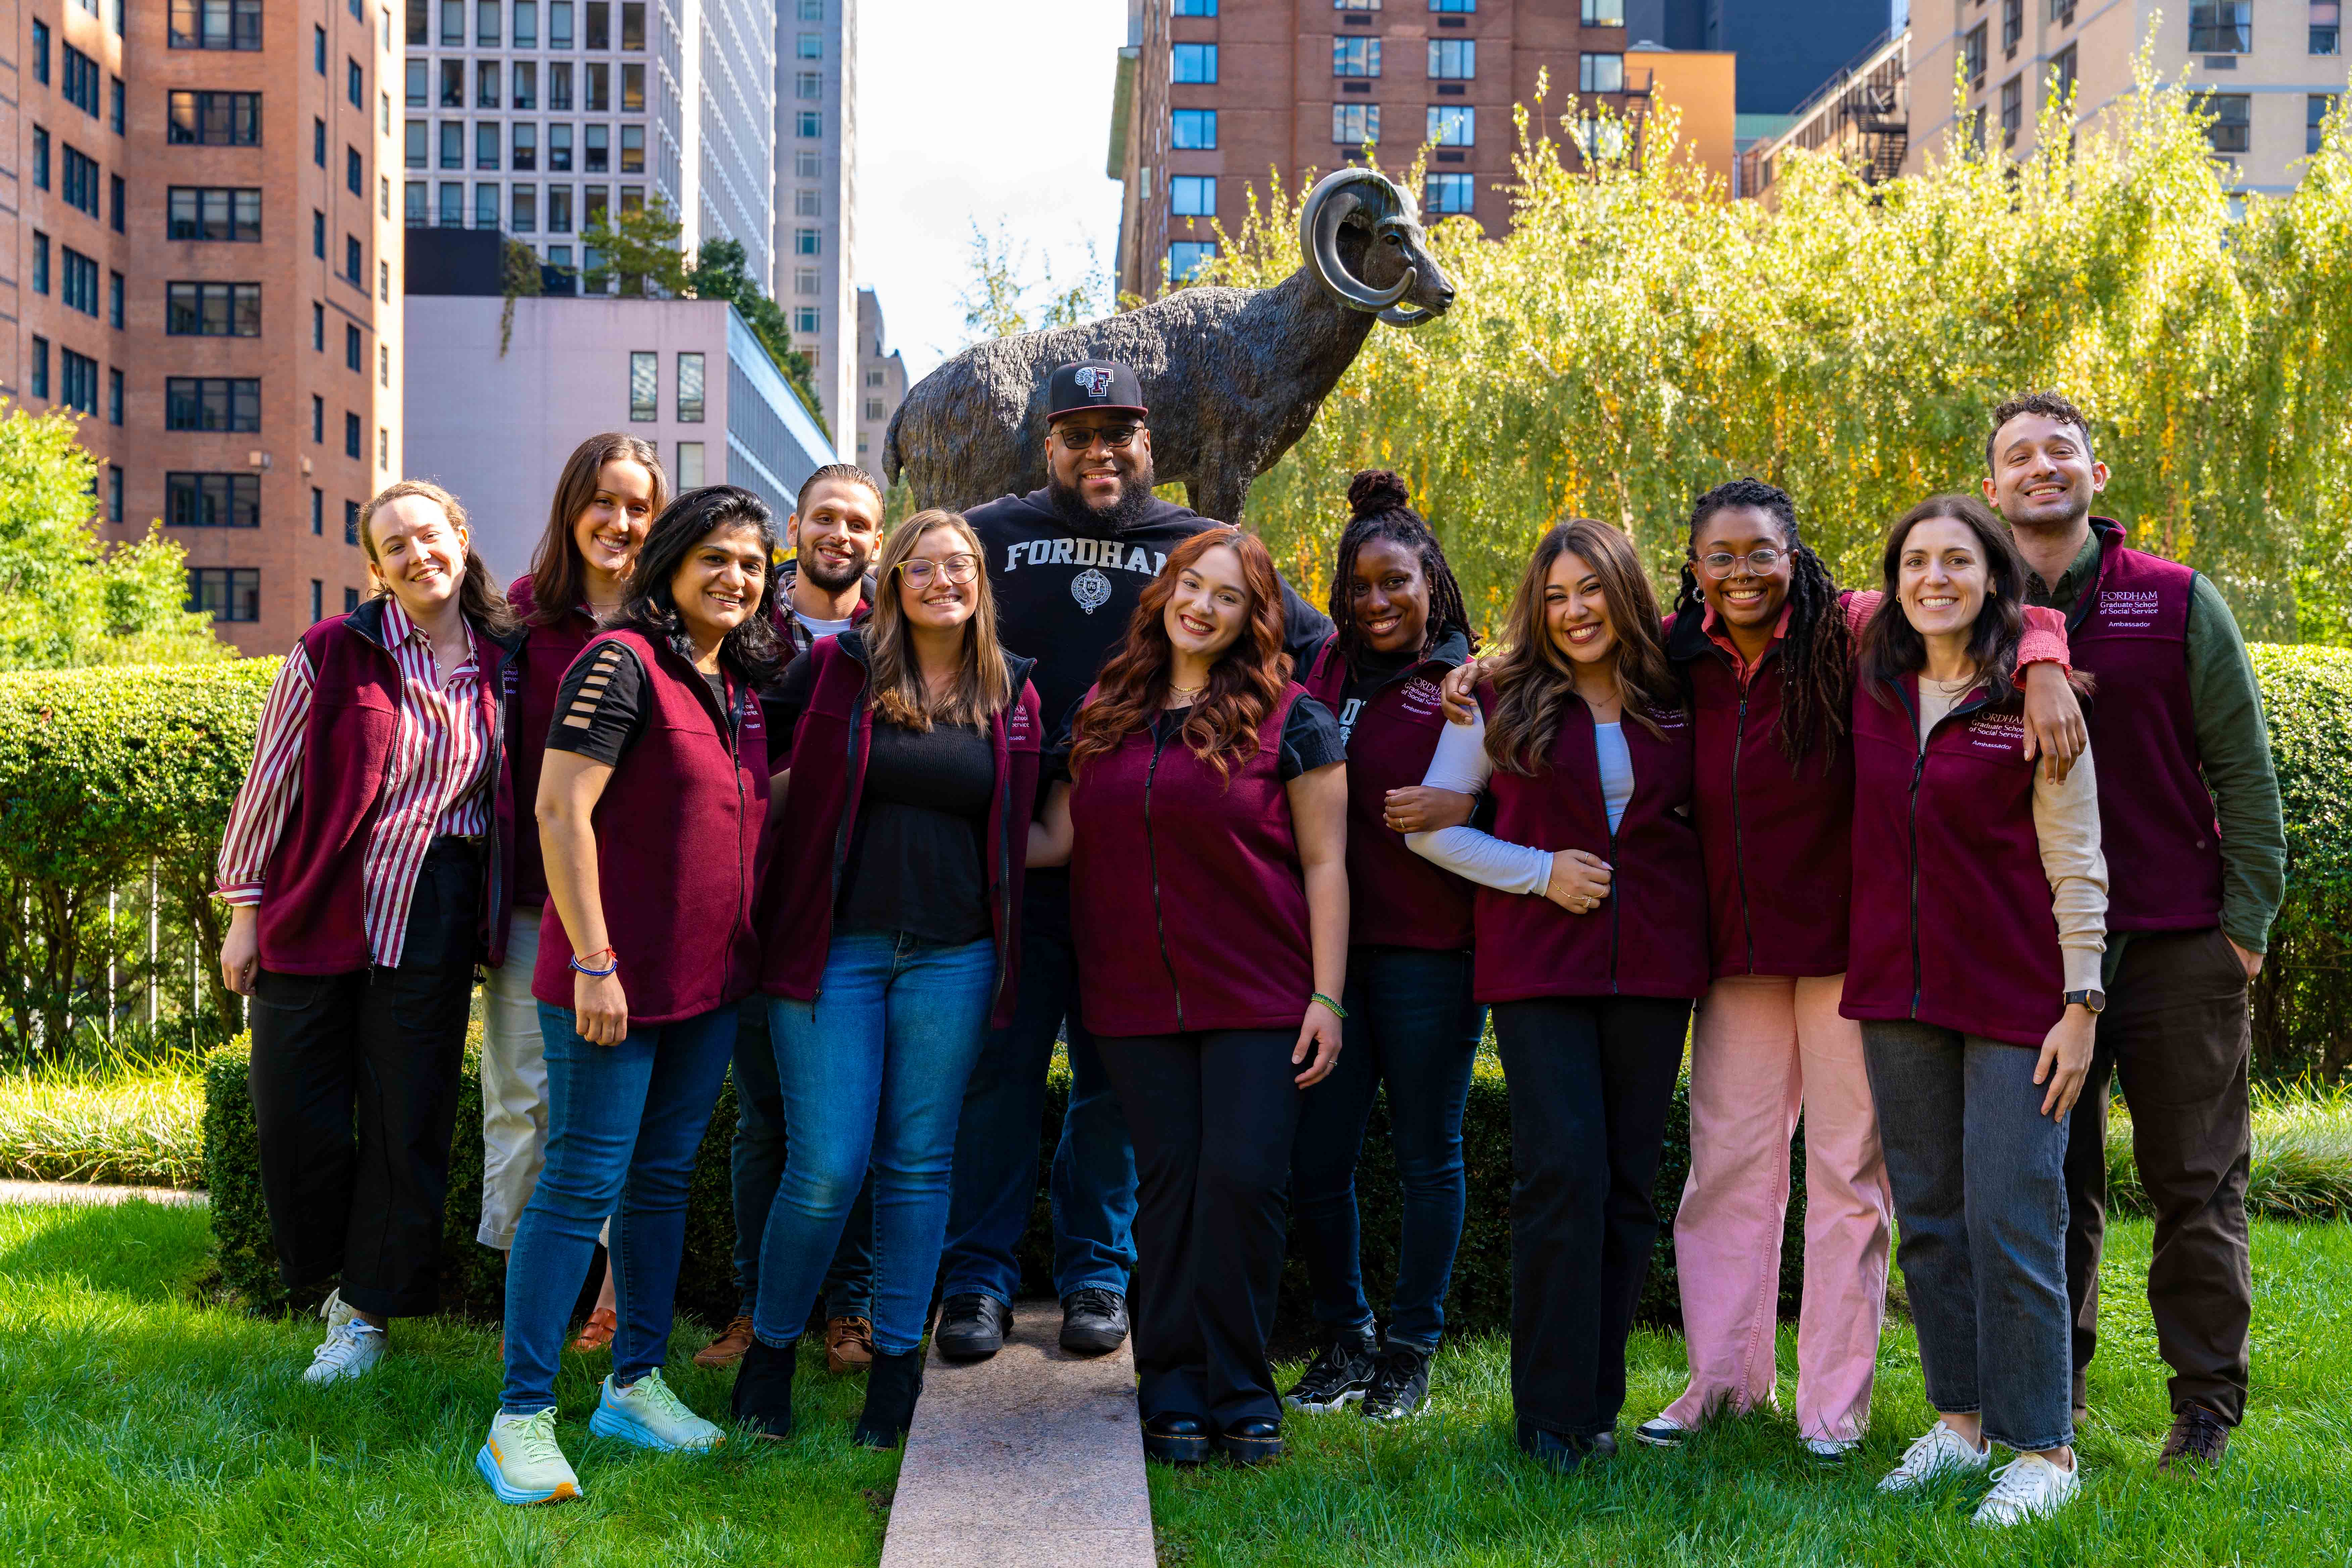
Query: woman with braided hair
pixel 1411 1023
pixel 1765 643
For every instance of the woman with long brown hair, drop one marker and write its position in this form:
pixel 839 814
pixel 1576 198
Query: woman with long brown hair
pixel 1591 931
pixel 610 490
pixel 1205 826
pixel 890 924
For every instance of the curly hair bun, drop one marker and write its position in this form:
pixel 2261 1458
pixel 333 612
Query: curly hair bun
pixel 1376 491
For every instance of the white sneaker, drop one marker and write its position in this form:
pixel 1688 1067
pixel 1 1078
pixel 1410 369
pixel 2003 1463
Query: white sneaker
pixel 354 1347
pixel 2027 1487
pixel 521 1460
pixel 651 1416
pixel 1662 1431
pixel 335 1309
pixel 1939 1451
pixel 1833 1451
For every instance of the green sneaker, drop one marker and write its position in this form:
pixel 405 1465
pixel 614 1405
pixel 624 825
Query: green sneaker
pixel 521 1460
pixel 651 1416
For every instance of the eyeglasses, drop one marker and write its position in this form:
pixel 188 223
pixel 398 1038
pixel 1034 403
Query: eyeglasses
pixel 956 569
pixel 1721 563
pixel 1115 437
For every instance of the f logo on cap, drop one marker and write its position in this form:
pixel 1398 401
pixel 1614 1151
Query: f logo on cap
pixel 1096 379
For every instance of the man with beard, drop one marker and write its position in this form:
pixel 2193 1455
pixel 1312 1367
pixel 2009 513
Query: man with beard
pixel 835 527
pixel 2189 809
pixel 1068 565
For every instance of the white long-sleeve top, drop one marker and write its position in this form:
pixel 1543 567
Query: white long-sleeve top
pixel 1461 764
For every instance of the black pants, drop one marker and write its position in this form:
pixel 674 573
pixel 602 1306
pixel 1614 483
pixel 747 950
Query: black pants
pixel 355 1085
pixel 1213 1114
pixel 2176 1034
pixel 1591 1081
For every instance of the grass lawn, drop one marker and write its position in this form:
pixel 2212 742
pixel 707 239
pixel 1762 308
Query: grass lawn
pixel 139 1426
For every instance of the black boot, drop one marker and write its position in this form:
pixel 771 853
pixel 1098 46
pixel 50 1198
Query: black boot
pixel 893 1383
pixel 763 1390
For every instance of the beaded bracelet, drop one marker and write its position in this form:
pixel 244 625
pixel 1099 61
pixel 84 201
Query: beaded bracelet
pixel 1337 1011
pixel 580 968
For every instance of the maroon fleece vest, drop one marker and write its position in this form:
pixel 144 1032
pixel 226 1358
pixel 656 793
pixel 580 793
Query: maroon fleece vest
pixel 1395 899
pixel 1776 836
pixel 1187 906
pixel 678 835
pixel 1952 924
pixel 313 916
pixel 547 653
pixel 1648 938
pixel 811 849
pixel 2130 629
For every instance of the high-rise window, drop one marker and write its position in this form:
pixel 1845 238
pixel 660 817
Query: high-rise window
pixel 80 85
pixel 419 84
pixel 212 501
pixel 1193 129
pixel 2221 27
pixel 114 470
pixel 596 147
pixel 2012 109
pixel 1601 73
pixel 115 301
pixel 354 349
pixel 559 84
pixel 809 46
pixel 1195 63
pixel 485 206
pixel 1193 196
pixel 417 204
pixel 2327 31
pixel 354 173
pixel 599 99
pixel 1972 56
pixel 487 30
pixel 1353 124
pixel 214 213
pixel 1457 59
pixel 226 592
pixel 214 119
pixel 77 381
pixel 1186 256
pixel 559 211
pixel 632 89
pixel 559 23
pixel 453 84
pixel 812 10
pixel 633 24
pixel 2012 23
pixel 599 29
pixel 418 146
pixel 81 179
pixel 805 281
pixel 2317 107
pixel 486 144
pixel 807 318
pixel 486 84
pixel 354 263
pixel 808 241
pixel 559 149
pixel 354 84
pixel 633 149
pixel 1597 13
pixel 1453 125
pixel 114 408
pixel 451 208
pixel 689 389
pixel 40 159
pixel 115 203
pixel 526 24
pixel 215 24
pixel 2062 73
pixel 40 262
pixel 645 387
pixel 1349 56
pixel 1196 8
pixel 2233 120
pixel 526 146
pixel 1354 5
pixel 808 124
pixel 41 52
pixel 40 368
pixel 1448 193
pixel 354 438
pixel 526 85
pixel 523 205
pixel 215 403
pixel 453 144
pixel 212 309
pixel 690 465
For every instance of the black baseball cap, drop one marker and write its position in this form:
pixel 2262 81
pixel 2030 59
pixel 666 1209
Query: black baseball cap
pixel 1094 384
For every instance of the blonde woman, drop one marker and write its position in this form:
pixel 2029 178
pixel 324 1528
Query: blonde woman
pixel 890 920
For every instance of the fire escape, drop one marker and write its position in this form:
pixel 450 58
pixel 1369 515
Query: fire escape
pixel 1862 114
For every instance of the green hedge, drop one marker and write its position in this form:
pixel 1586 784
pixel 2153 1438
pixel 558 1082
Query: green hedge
pixel 2303 999
pixel 472 1275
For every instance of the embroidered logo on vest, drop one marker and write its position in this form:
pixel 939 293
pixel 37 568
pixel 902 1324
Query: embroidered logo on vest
pixel 1422 696
pixel 2129 609
pixel 1091 589
pixel 2003 733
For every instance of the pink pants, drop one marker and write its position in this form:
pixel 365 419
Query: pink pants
pixel 1762 1046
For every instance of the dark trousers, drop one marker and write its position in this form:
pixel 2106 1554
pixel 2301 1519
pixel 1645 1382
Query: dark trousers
pixel 355 1085
pixel 756 1167
pixel 1411 1024
pixel 1591 1081
pixel 2177 1036
pixel 1214 1114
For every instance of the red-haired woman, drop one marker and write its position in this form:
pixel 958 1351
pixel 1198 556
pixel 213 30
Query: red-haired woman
pixel 1205 826
pixel 1590 944
pixel 610 490
pixel 364 868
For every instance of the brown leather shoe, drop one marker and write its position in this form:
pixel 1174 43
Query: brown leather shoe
pixel 597 1333
pixel 728 1347
pixel 2198 1440
pixel 848 1345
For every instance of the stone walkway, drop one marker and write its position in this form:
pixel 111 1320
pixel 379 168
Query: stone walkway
pixel 81 1193
pixel 1029 1459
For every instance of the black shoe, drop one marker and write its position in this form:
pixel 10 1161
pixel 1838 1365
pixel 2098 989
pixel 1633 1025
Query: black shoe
pixel 893 1383
pixel 1604 1445
pixel 1094 1321
pixel 972 1327
pixel 1560 1452
pixel 1342 1374
pixel 763 1390
pixel 1251 1442
pixel 1399 1387
pixel 1176 1439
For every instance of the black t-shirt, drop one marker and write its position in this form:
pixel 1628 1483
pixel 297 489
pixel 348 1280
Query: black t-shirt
pixel 1065 586
pixel 601 706
pixel 916 856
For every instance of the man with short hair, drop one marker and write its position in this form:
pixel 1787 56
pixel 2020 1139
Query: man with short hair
pixel 2189 808
pixel 834 530
pixel 1068 565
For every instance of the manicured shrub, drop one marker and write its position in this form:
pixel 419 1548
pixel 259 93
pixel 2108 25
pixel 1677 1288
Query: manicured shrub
pixel 2303 998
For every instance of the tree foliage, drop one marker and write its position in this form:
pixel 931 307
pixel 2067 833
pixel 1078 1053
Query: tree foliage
pixel 66 597
pixel 1005 293
pixel 1635 339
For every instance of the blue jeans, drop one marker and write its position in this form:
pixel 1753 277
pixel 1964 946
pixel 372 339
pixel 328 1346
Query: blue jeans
pixel 623 1125
pixel 1979 1179
pixel 1092 1186
pixel 1411 1024
pixel 756 1163
pixel 872 1075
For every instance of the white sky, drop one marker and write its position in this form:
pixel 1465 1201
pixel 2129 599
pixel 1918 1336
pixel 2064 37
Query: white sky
pixel 987 111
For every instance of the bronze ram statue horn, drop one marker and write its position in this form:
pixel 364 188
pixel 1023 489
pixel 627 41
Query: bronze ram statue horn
pixel 1233 376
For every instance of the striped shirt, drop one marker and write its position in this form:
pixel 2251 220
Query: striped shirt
pixel 433 781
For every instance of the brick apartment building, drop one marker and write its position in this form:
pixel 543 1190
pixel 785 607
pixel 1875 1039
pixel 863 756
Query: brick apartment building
pixel 199 254
pixel 1215 94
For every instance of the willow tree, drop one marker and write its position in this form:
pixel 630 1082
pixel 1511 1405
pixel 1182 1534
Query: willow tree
pixel 1635 338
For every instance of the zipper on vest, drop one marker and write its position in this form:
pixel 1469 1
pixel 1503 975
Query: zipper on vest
pixel 743 859
pixel 1919 766
pixel 1003 899
pixel 1616 890
pixel 1739 838
pixel 841 837
pixel 1151 851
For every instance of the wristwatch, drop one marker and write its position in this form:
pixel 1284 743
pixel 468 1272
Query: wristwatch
pixel 2096 1000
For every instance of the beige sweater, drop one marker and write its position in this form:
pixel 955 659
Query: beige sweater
pixel 2066 821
